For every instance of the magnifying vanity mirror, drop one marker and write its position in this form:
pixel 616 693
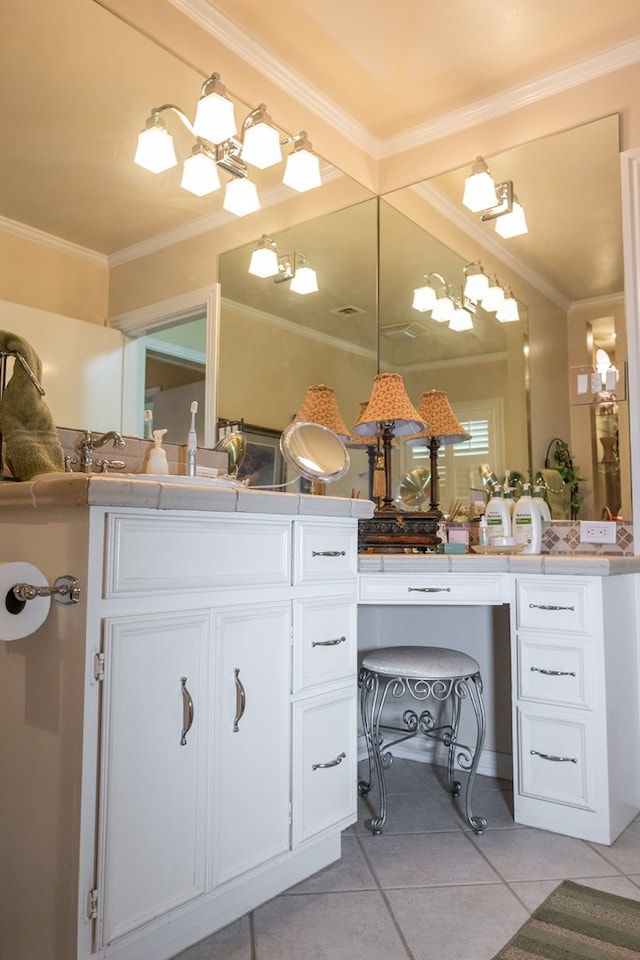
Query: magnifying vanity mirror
pixel 314 452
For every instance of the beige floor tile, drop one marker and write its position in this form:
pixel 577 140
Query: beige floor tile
pixel 532 893
pixel 422 860
pixel 470 923
pixel 351 872
pixel 528 854
pixel 624 853
pixel 230 943
pixel 348 926
pixel 411 813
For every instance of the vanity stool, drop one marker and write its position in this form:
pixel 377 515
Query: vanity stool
pixel 420 673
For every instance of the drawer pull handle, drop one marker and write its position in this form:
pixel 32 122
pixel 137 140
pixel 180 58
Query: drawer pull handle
pixel 241 700
pixel 330 763
pixel 553 673
pixel 429 589
pixel 328 643
pixel 548 606
pixel 550 756
pixel 328 553
pixel 187 712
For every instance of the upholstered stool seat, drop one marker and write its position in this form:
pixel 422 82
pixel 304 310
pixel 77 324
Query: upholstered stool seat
pixel 420 673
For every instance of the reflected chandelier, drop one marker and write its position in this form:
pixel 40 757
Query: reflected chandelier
pixel 447 305
pixel 267 262
pixel 218 146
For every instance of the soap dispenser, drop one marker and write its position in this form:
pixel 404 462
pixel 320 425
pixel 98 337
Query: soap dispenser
pixel 157 462
pixel 497 514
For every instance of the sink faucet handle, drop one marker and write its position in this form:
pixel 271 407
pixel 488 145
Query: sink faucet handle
pixel 105 465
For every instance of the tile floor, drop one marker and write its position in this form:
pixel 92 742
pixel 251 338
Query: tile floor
pixel 427 888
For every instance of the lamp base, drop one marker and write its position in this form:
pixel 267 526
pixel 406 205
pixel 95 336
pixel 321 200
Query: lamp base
pixel 389 531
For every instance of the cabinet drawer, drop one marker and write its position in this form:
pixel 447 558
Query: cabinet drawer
pixel 554 605
pixel 555 672
pixel 157 554
pixel 325 640
pixel 324 763
pixel 433 588
pixel 557 757
pixel 325 551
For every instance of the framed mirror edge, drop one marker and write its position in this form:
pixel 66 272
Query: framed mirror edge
pixel 630 188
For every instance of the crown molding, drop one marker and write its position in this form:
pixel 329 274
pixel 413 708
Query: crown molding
pixel 213 221
pixel 606 302
pixel 54 243
pixel 582 71
pixel 278 72
pixel 251 313
pixel 432 196
pixel 589 68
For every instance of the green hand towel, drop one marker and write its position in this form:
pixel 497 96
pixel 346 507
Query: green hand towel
pixel 30 439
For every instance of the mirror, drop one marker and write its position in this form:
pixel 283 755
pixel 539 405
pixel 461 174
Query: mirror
pixel 314 452
pixel 93 104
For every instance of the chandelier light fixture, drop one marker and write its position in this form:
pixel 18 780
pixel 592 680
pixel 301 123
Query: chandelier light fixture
pixel 218 147
pixel 456 306
pixel 494 201
pixel 267 262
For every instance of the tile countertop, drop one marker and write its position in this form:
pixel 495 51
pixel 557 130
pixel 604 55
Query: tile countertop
pixel 550 564
pixel 147 491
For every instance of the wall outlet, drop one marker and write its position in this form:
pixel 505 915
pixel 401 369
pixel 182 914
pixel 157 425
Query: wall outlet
pixel 597 531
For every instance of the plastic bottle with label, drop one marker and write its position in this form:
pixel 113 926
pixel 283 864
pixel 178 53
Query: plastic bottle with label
pixel 497 514
pixel 527 523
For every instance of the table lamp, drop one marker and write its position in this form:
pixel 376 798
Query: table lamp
pixel 442 427
pixel 389 413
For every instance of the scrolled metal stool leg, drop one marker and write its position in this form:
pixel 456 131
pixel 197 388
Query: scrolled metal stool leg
pixel 473 687
pixel 367 682
pixel 453 785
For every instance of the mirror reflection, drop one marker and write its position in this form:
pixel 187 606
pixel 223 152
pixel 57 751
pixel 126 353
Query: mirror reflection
pixel 568 281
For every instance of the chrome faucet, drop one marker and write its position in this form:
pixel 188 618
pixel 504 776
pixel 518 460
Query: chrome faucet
pixel 88 444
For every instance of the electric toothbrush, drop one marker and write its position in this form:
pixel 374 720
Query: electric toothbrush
pixel 192 442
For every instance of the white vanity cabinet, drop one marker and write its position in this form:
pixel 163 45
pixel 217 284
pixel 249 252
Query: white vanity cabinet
pixel 575 693
pixel 207 762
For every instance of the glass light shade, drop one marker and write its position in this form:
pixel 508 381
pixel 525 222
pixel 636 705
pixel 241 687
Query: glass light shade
pixel 508 310
pixel 512 224
pixel 424 298
pixel 200 174
pixel 215 120
pixel 443 310
pixel 479 188
pixel 302 171
pixel 264 262
pixel 476 283
pixel 155 151
pixel 493 297
pixel 304 281
pixel 461 320
pixel 241 197
pixel 261 145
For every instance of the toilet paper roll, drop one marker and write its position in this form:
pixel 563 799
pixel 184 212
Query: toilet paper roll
pixel 20 618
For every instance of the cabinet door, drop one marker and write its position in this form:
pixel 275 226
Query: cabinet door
pixel 156 723
pixel 252 733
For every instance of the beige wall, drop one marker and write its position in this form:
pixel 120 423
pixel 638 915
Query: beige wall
pixel 38 276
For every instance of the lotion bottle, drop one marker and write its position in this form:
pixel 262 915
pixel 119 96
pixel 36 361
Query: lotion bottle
pixel 497 514
pixel 527 523
pixel 157 462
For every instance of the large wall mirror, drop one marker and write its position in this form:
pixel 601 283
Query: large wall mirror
pixel 368 256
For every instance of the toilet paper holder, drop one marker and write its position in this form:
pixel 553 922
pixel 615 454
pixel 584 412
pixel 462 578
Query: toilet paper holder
pixel 65 589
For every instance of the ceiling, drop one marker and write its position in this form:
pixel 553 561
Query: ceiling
pixel 76 85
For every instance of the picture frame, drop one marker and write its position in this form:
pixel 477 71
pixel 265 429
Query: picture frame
pixel 263 464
